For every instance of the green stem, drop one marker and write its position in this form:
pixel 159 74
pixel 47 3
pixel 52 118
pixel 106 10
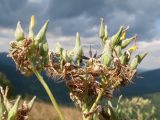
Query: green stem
pixel 85 106
pixel 88 118
pixel 95 116
pixel 53 100
pixel 94 106
pixel 97 99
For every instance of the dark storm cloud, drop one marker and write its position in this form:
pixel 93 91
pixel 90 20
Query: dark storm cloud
pixel 13 10
pixel 70 16
pixel 73 8
pixel 141 15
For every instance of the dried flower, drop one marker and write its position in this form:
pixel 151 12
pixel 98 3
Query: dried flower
pixel 29 51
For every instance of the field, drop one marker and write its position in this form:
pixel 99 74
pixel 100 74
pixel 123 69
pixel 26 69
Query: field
pixel 45 111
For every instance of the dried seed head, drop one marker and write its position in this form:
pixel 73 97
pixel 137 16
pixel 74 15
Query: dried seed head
pixel 28 52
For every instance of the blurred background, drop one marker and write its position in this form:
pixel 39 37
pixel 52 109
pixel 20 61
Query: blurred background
pixel 70 16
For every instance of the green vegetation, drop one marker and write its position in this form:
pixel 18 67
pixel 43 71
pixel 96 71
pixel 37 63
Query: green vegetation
pixel 136 108
pixel 12 110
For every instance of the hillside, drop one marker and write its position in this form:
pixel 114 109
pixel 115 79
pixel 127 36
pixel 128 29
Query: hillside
pixel 30 86
pixel 145 83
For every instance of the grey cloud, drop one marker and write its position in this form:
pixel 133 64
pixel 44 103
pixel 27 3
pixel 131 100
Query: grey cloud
pixel 140 15
pixel 70 16
pixel 13 10
pixel 73 8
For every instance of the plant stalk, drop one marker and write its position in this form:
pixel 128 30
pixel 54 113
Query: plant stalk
pixel 97 99
pixel 94 106
pixel 53 100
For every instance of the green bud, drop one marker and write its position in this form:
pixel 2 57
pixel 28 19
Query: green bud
pixel 124 59
pixel 43 49
pixel 107 55
pixel 65 55
pixel 78 41
pixel 141 57
pixel 77 51
pixel 128 41
pixel 105 36
pixel 41 36
pixel 61 53
pixel 30 104
pixel 31 27
pixel 106 33
pixel 124 32
pixel 118 51
pixel 137 60
pixel 115 40
pixel 12 113
pixel 134 63
pixel 19 35
pixel 102 29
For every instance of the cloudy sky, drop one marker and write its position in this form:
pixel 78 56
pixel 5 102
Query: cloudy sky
pixel 69 16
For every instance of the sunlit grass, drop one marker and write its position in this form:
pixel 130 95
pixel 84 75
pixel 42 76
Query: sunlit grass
pixel 44 111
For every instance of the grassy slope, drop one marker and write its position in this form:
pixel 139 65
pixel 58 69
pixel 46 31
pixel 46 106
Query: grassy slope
pixel 44 111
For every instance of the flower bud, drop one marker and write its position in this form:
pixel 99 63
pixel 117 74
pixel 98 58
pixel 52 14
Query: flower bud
pixel 133 48
pixel 137 60
pixel 118 51
pixel 102 29
pixel 78 40
pixel 141 57
pixel 107 55
pixel 41 36
pixel 31 27
pixel 78 50
pixel 105 36
pixel 115 40
pixel 19 35
pixel 134 63
pixel 13 111
pixel 128 41
pixel 65 55
pixel 124 59
pixel 30 104
pixel 123 36
pixel 44 49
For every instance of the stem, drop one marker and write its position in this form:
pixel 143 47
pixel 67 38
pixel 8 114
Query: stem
pixel 85 106
pixel 94 106
pixel 88 118
pixel 53 100
pixel 94 116
pixel 97 99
